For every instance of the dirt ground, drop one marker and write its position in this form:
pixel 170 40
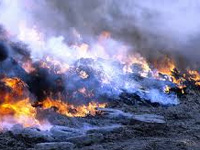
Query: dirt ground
pixel 180 132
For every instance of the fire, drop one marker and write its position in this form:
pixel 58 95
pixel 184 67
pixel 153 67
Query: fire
pixel 20 112
pixel 55 65
pixel 166 89
pixel 17 85
pixel 165 66
pixel 83 50
pixel 28 67
pixel 194 75
pixel 15 99
pixel 71 110
pixel 104 35
pixel 83 74
pixel 15 106
pixel 136 59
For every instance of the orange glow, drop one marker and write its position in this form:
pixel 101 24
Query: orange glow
pixel 15 99
pixel 15 104
pixel 130 60
pixel 71 110
pixel 165 66
pixel 194 75
pixel 27 66
pixel 57 66
pixel 166 89
pixel 104 35
pixel 83 48
pixel 15 84
pixel 21 112
pixel 83 74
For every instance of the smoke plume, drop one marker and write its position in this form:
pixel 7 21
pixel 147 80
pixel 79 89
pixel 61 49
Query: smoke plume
pixel 154 28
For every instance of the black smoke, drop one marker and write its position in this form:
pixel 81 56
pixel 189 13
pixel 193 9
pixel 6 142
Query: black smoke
pixel 3 51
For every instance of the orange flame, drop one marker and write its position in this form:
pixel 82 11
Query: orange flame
pixel 15 106
pixel 166 66
pixel 194 75
pixel 71 110
pixel 28 67
pixel 21 112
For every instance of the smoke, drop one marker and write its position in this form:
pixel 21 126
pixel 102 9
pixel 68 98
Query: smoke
pixel 154 28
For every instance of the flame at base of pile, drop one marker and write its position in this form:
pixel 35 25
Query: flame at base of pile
pixel 20 112
pixel 71 110
pixel 16 107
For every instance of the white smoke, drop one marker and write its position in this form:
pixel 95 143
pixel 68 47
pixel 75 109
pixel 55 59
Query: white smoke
pixel 170 25
pixel 145 26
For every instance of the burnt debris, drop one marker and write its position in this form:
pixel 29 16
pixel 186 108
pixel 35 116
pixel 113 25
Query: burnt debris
pixel 4 51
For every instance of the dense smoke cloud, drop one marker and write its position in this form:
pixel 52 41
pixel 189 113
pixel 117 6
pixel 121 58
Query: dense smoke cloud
pixel 153 27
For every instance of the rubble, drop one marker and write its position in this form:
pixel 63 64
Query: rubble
pixel 54 145
pixel 145 130
pixel 106 129
pixel 31 134
pixel 118 115
pixel 87 139
pixel 62 133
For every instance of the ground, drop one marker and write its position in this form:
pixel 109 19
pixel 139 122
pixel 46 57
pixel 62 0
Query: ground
pixel 181 130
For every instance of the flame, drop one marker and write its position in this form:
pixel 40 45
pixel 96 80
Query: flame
pixel 15 84
pixel 83 74
pixel 21 112
pixel 137 59
pixel 104 35
pixel 15 106
pixel 71 110
pixel 28 67
pixel 165 66
pixel 194 75
pixel 56 66
pixel 16 103
pixel 83 50
pixel 166 89
pixel 32 36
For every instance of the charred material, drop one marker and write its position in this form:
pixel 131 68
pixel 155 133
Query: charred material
pixel 4 50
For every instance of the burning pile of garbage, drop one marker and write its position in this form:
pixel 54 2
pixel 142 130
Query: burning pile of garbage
pixel 74 80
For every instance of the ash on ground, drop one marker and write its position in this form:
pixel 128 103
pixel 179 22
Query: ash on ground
pixel 140 126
